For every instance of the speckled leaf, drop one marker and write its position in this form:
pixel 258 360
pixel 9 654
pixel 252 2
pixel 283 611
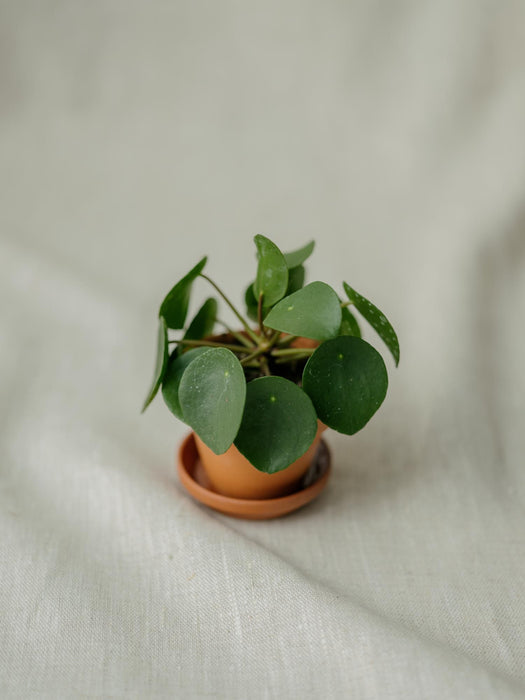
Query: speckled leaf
pixel 376 319
pixel 349 324
pixel 312 312
pixel 278 425
pixel 203 322
pixel 346 379
pixel 160 363
pixel 272 272
pixel 174 308
pixel 177 365
pixel 211 394
pixel 298 257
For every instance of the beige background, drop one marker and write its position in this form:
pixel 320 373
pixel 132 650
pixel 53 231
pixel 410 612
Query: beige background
pixel 136 137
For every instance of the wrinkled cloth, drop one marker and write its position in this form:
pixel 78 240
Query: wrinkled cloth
pixel 137 137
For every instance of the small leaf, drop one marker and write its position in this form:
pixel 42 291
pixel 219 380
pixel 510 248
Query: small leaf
pixel 251 303
pixel 204 321
pixel 278 425
pixel 312 312
pixel 272 272
pixel 177 365
pixel 298 257
pixel 295 282
pixel 376 319
pixel 295 279
pixel 211 394
pixel 174 308
pixel 346 379
pixel 160 364
pixel 349 324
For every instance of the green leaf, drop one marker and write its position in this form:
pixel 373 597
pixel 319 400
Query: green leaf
pixel 160 363
pixel 347 381
pixel 295 282
pixel 278 425
pixel 349 324
pixel 272 272
pixel 376 319
pixel 211 394
pixel 312 312
pixel 251 303
pixel 174 308
pixel 203 322
pixel 298 257
pixel 177 365
pixel 295 279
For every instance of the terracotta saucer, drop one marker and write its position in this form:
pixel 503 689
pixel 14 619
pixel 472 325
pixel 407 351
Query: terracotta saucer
pixel 194 480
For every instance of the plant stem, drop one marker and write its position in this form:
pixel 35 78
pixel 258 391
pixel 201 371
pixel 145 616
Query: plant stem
pixel 346 303
pixel 211 344
pixel 244 322
pixel 286 341
pixel 238 336
pixel 290 352
pixel 253 355
pixel 264 366
pixel 259 314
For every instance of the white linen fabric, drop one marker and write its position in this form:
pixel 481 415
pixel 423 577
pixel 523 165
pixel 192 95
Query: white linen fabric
pixel 136 137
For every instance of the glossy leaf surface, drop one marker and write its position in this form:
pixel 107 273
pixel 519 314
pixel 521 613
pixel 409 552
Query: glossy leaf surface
pixel 298 257
pixel 204 321
pixel 312 312
pixel 347 381
pixel 272 272
pixel 160 363
pixel 176 367
pixel 174 308
pixel 376 319
pixel 278 425
pixel 211 394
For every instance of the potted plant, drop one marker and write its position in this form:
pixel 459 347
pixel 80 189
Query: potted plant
pixel 258 397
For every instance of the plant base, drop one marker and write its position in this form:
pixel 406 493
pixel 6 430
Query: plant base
pixel 195 481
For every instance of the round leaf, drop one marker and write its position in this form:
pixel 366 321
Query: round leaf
pixel 176 367
pixel 278 425
pixel 313 312
pixel 376 319
pixel 160 363
pixel 211 394
pixel 204 321
pixel 297 257
pixel 347 381
pixel 174 308
pixel 272 272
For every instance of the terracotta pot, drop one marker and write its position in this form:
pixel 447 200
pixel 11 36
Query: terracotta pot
pixel 231 474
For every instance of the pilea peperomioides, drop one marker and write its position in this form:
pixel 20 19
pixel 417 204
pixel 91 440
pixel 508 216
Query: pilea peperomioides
pixel 261 387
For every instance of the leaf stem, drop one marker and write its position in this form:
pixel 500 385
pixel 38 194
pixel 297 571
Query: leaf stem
pixel 286 341
pixel 260 314
pixel 253 355
pixel 290 352
pixel 211 344
pixel 244 322
pixel 238 336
